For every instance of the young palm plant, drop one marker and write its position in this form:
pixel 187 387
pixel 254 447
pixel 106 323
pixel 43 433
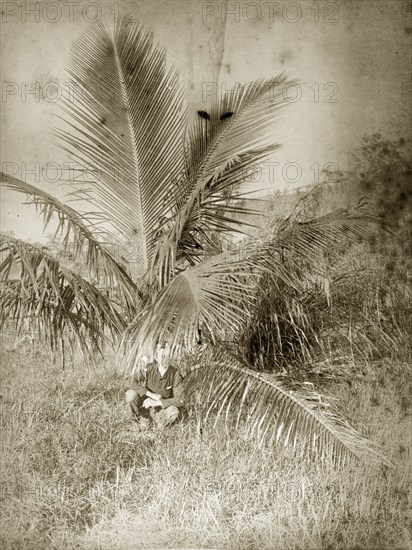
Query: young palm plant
pixel 171 192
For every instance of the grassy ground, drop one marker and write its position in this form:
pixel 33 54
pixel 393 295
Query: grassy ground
pixel 75 476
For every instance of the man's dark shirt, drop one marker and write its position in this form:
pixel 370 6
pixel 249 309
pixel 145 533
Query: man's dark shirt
pixel 169 386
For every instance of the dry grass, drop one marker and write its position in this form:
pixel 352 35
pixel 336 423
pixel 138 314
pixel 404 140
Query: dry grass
pixel 74 475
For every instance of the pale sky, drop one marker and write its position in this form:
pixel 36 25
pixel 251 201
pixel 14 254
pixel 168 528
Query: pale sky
pixel 353 59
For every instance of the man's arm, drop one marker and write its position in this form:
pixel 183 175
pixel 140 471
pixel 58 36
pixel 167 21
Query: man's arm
pixel 139 384
pixel 178 399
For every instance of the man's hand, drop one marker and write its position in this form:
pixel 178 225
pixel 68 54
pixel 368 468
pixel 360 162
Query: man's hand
pixel 149 402
pixel 155 396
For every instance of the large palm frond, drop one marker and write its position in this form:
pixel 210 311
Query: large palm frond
pixel 82 238
pixel 276 410
pixel 221 150
pixel 214 296
pixel 346 225
pixel 36 286
pixel 128 124
pixel 247 132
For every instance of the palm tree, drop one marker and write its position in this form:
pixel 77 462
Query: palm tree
pixel 171 192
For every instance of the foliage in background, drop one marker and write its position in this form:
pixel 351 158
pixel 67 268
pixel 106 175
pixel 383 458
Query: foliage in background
pixel 360 304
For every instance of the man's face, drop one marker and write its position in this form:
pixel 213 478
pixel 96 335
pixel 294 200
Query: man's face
pixel 161 354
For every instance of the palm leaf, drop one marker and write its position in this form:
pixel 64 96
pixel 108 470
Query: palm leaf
pixel 275 410
pixel 248 132
pixel 53 296
pixel 219 155
pixel 216 296
pixel 128 124
pixel 82 240
pixel 310 240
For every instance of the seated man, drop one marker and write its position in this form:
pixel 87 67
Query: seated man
pixel 158 394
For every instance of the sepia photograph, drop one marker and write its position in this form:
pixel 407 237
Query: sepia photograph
pixel 206 275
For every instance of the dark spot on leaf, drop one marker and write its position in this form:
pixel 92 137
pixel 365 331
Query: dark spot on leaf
pixel 204 114
pixel 226 116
